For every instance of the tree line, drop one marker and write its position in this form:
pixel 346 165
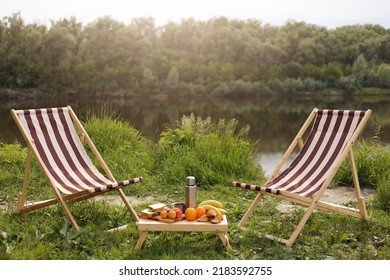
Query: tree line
pixel 217 56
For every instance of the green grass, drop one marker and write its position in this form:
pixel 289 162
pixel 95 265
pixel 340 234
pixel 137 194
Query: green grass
pixel 372 163
pixel 215 153
pixel 374 90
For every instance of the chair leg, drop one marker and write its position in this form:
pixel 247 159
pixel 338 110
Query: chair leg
pixel 301 223
pixel 70 216
pixel 66 208
pixel 360 199
pixel 250 210
pixel 128 205
pixel 22 195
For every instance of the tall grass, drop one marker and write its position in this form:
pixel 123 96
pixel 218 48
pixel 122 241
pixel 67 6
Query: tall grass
pixel 372 164
pixel 120 143
pixel 382 195
pixel 126 152
pixel 373 167
pixel 213 152
pixel 12 161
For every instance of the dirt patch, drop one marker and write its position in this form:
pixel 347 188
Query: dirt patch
pixel 338 195
pixel 345 194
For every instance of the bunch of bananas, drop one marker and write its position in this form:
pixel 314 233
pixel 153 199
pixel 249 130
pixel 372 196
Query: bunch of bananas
pixel 214 205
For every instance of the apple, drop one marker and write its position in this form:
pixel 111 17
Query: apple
pixel 179 214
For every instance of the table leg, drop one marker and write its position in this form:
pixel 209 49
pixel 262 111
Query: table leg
pixel 141 239
pixel 225 240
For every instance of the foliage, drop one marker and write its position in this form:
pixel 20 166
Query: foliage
pixel 382 195
pixel 383 76
pixel 359 68
pixel 12 154
pixel 12 163
pixel 372 164
pixel 214 153
pixel 217 56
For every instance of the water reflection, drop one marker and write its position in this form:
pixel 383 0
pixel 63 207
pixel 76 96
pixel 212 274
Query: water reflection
pixel 269 161
pixel 274 120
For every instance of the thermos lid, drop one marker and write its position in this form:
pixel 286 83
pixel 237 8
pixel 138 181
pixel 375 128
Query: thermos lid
pixel 190 181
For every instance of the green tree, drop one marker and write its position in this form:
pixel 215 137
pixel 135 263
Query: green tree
pixel 311 50
pixel 107 55
pixel 383 75
pixel 149 81
pixel 293 69
pixel 291 34
pixel 384 50
pixel 58 47
pixel 331 73
pixel 359 69
pixel 13 52
pixel 173 78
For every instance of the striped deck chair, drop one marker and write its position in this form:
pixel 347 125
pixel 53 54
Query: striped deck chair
pixel 53 140
pixel 305 180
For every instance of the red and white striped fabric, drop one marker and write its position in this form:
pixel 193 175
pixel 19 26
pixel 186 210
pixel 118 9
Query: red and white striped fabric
pixel 331 131
pixel 62 152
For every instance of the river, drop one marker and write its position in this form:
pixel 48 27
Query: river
pixel 273 120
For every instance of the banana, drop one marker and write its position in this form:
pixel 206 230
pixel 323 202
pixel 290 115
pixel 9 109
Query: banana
pixel 211 207
pixel 212 202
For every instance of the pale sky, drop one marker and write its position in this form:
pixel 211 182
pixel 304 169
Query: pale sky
pixel 328 13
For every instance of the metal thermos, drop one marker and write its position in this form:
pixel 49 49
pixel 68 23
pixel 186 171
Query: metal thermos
pixel 190 192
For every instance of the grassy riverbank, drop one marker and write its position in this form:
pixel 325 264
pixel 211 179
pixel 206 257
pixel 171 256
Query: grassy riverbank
pixel 215 153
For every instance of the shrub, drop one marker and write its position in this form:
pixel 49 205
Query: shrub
pixel 382 194
pixel 222 89
pixel 331 73
pixel 373 168
pixel 372 164
pixel 241 86
pixel 12 164
pixel 276 85
pixel 12 154
pixel 215 153
pixel 348 83
pixel 309 84
pixel 383 75
pixel 293 85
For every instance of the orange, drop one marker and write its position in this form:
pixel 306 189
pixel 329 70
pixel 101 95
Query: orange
pixel 190 214
pixel 200 210
pixel 164 214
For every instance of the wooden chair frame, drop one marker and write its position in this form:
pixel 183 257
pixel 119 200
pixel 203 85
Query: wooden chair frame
pixel 314 202
pixel 23 207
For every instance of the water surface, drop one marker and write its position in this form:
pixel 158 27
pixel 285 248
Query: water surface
pixel 273 120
